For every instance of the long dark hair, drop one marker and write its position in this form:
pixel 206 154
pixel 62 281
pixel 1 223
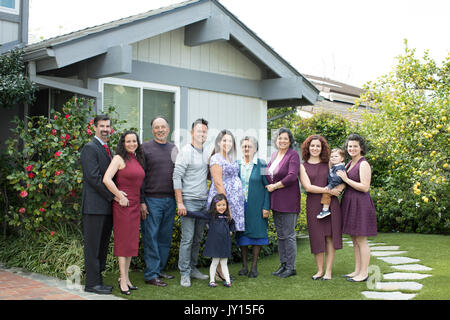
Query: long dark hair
pixel 121 151
pixel 212 208
pixel 232 152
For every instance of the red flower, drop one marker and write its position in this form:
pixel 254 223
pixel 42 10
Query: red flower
pixel 42 210
pixel 31 175
pixel 112 131
pixel 29 168
pixel 52 233
pixel 54 131
pixel 22 210
pixel 57 154
pixel 73 193
pixel 67 136
pixel 23 194
pixel 91 122
pixel 67 116
pixel 89 132
pixel 55 117
pixel 57 173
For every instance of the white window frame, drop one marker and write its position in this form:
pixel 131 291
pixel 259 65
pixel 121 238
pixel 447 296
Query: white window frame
pixel 148 86
pixel 16 9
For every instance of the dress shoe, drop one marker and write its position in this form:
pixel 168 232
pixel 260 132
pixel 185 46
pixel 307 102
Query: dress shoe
pixel 353 280
pixel 99 289
pixel 281 269
pixel 129 287
pixel 253 274
pixel 287 273
pixel 316 277
pixel 243 272
pixel 163 275
pixel 156 282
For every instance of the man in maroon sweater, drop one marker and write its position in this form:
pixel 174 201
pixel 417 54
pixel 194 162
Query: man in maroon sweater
pixel 158 202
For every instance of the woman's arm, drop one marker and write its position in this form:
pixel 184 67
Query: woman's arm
pixel 306 183
pixel 365 174
pixel 216 176
pixel 116 164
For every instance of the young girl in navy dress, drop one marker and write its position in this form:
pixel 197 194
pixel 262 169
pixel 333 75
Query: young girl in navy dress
pixel 218 240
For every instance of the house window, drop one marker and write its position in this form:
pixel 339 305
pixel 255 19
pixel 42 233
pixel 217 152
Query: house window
pixel 10 6
pixel 139 102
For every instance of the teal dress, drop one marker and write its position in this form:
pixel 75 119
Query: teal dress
pixel 257 198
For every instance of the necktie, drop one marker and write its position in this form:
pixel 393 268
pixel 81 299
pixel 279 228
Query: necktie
pixel 107 150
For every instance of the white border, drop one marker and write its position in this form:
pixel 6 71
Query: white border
pixel 16 9
pixel 151 86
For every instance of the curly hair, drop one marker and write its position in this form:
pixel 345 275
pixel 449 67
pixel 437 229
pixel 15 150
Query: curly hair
pixel 361 141
pixel 121 151
pixel 324 153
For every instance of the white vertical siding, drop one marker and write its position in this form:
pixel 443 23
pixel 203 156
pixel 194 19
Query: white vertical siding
pixel 241 115
pixel 217 57
pixel 9 31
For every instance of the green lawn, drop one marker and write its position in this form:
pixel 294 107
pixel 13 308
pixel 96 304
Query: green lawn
pixel 432 250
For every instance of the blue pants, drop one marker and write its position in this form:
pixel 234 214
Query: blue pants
pixel 157 231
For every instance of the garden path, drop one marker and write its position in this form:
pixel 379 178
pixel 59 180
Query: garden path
pixel 393 290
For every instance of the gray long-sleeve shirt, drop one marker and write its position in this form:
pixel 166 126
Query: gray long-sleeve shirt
pixel 190 173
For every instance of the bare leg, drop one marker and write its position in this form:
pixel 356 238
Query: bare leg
pixel 364 258
pixel 329 257
pixel 319 262
pixel 123 273
pixel 357 255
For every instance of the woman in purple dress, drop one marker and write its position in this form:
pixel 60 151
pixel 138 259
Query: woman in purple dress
pixel 358 212
pixel 325 235
pixel 225 177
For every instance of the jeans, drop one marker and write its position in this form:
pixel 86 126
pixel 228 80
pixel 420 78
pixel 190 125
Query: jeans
pixel 157 231
pixel 191 235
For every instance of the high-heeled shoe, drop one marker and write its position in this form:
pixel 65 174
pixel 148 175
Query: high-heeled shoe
pixel 129 287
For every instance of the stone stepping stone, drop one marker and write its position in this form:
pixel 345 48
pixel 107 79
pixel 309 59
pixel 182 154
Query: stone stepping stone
pixel 412 267
pixel 390 286
pixel 384 248
pixel 398 260
pixel 405 276
pixel 386 253
pixel 350 243
pixel 396 295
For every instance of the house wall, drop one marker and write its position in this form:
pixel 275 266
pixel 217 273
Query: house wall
pixel 14 26
pixel 9 32
pixel 242 115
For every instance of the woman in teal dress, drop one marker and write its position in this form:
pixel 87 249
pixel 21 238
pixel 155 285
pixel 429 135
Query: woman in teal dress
pixel 257 205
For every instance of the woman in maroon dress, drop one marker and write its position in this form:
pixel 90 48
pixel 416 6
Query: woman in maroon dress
pixel 358 212
pixel 325 234
pixel 127 167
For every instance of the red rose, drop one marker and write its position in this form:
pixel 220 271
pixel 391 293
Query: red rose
pixel 23 194
pixel 42 210
pixel 89 132
pixel 91 122
pixel 31 175
pixel 67 136
pixel 67 116
pixel 52 233
pixel 112 131
pixel 29 168
pixel 22 210
pixel 57 173
pixel 57 154
pixel 54 132
pixel 55 117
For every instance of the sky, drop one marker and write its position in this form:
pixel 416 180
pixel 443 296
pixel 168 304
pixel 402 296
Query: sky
pixel 352 41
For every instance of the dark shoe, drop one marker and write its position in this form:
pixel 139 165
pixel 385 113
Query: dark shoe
pixel 163 275
pixel 222 278
pixel 253 274
pixel 129 287
pixel 156 282
pixel 126 292
pixel 243 272
pixel 353 280
pixel 227 284
pixel 287 273
pixel 281 269
pixel 98 289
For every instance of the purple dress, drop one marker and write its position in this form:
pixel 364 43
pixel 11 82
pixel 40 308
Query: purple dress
pixel 320 228
pixel 233 189
pixel 358 212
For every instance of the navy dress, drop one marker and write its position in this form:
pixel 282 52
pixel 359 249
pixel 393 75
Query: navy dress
pixel 218 240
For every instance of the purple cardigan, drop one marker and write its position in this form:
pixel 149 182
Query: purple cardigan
pixel 286 199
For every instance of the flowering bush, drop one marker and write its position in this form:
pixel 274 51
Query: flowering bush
pixel 409 137
pixel 42 168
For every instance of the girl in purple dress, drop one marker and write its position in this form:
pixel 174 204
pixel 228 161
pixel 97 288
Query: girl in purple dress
pixel 358 212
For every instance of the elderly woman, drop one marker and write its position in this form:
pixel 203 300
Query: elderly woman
pixel 256 206
pixel 358 212
pixel 325 235
pixel 282 174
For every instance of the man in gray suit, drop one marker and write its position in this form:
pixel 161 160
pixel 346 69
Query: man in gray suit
pixel 96 206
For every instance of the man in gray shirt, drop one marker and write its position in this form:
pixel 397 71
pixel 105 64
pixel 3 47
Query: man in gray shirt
pixel 190 186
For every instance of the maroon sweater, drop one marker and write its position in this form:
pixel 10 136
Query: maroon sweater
pixel 159 164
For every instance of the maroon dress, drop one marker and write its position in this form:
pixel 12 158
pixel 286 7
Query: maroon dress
pixel 126 220
pixel 358 211
pixel 329 226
